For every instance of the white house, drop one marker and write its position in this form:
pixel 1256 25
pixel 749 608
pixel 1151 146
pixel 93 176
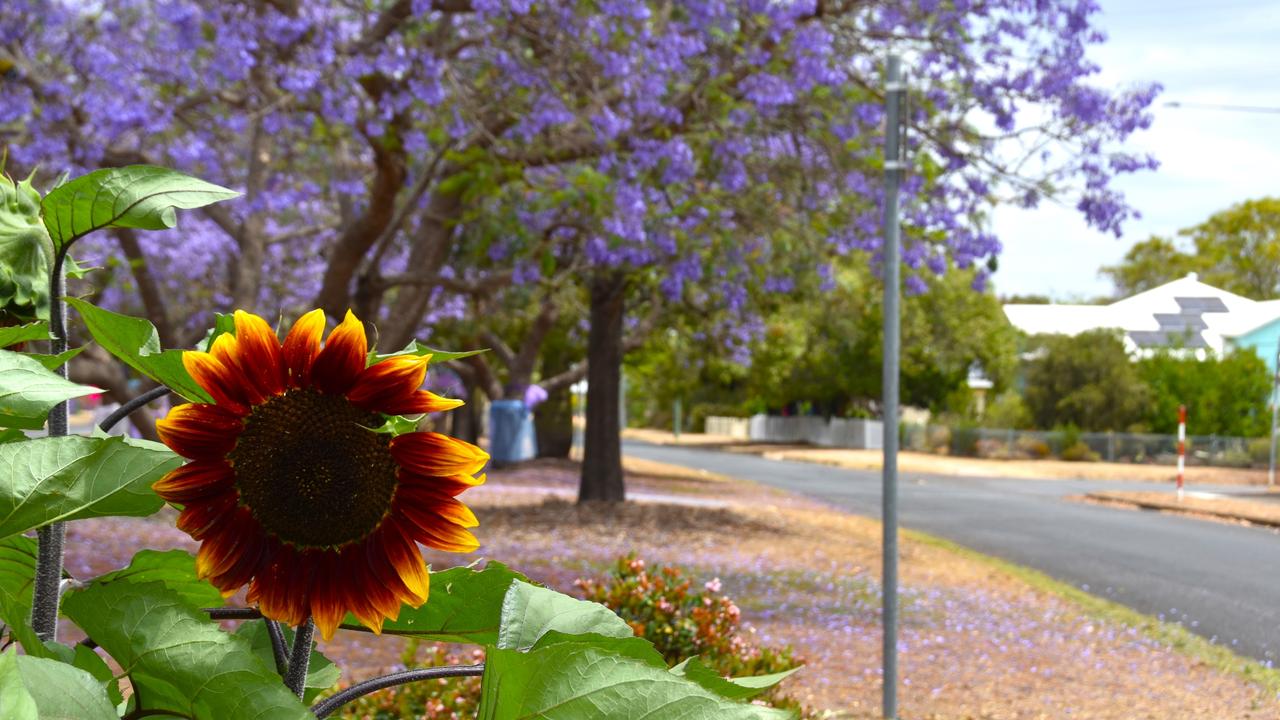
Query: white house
pixel 1185 313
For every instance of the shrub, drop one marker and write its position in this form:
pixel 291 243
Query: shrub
pixel 698 414
pixel 1034 448
pixel 451 698
pixel 1260 451
pixel 663 606
pixel 1079 452
pixel 964 440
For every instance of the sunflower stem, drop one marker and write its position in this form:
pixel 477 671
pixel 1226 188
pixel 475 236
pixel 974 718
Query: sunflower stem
pixel 326 707
pixel 50 538
pixel 300 659
pixel 277 646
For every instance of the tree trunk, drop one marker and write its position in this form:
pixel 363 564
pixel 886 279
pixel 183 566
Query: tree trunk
pixel 466 419
pixel 553 421
pixel 602 451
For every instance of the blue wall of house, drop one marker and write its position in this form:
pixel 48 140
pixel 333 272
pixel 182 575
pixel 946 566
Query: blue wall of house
pixel 1264 340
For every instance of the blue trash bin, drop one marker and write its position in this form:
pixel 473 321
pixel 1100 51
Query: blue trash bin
pixel 511 435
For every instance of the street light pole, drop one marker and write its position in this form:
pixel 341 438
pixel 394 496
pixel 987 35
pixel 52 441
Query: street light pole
pixel 893 166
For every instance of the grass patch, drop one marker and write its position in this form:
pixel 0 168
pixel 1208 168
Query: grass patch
pixel 1171 634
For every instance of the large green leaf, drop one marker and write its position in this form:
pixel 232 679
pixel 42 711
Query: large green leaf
pixel 17 575
pixel 26 252
pixel 137 196
pixel 44 689
pixel 175 569
pixel 743 688
pixel 322 674
pixel 52 479
pixel 14 334
pixel 53 362
pixel 29 390
pixel 177 659
pixel 577 680
pixel 16 702
pixel 465 606
pixel 136 342
pixel 529 612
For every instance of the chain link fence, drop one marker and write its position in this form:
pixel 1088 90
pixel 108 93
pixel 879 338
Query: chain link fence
pixel 1085 446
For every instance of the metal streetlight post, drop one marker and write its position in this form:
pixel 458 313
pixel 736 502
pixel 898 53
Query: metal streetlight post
pixel 893 167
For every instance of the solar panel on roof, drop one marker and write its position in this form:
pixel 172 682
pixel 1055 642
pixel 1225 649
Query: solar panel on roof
pixel 1180 322
pixel 1164 338
pixel 1201 304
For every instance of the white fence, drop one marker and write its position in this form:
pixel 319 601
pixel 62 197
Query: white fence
pixel 836 432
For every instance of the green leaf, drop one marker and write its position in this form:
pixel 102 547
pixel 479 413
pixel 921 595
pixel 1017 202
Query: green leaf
pixel 14 334
pixel 52 479
pixel 92 663
pixel 465 606
pixel 16 702
pixel 137 196
pixel 53 362
pixel 179 661
pixel 175 569
pixel 28 391
pixel 44 689
pixel 743 688
pixel 223 323
pixel 136 342
pixel 26 251
pixel 322 674
pixel 576 680
pixel 417 348
pixel 529 612
pixel 17 575
pixel 633 647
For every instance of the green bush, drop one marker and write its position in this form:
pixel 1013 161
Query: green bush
pixel 964 440
pixel 1260 451
pixel 682 621
pixel 699 413
pixel 1078 452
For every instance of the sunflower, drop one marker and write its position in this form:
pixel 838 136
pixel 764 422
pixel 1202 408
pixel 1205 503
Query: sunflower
pixel 291 490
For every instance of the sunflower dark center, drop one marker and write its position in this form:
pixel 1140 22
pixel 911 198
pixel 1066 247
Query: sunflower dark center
pixel 311 472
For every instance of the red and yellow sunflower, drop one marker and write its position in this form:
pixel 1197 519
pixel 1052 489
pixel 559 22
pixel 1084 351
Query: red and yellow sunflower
pixel 290 490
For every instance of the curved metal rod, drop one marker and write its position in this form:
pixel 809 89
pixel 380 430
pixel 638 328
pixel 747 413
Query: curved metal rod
pixel 325 707
pixel 127 409
pixel 233 613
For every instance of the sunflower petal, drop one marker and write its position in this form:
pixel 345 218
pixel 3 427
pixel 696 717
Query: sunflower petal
pixel 405 558
pixel 452 486
pixel 327 601
pixel 442 504
pixel 198 519
pixel 195 481
pixel 389 382
pixel 343 358
pixel 200 432
pixel 301 346
pixel 428 453
pixel 260 359
pixel 222 382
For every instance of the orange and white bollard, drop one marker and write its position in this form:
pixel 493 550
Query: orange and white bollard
pixel 1182 446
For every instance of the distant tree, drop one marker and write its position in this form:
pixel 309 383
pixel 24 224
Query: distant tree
pixel 1237 250
pixel 1086 380
pixel 1029 299
pixel 1151 263
pixel 1224 395
pixel 1240 248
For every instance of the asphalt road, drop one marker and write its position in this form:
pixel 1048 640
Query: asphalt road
pixel 1221 581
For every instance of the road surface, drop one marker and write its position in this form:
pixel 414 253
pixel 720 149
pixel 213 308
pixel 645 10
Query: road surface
pixel 1221 581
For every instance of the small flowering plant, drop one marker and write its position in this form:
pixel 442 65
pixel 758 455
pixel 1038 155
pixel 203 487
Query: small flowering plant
pixel 295 460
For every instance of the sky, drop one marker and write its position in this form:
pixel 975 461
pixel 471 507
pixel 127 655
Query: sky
pixel 1220 52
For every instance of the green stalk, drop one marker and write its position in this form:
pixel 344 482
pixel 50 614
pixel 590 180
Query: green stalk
pixel 50 538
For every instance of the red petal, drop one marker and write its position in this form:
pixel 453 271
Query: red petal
pixel 200 432
pixel 343 358
pixel 428 453
pixel 327 603
pixel 228 350
pixel 389 382
pixel 195 481
pixel 260 359
pixel 223 383
pixel 301 346
pixel 405 558
pixel 199 519
pixel 442 504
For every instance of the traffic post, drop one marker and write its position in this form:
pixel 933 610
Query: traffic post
pixel 1182 446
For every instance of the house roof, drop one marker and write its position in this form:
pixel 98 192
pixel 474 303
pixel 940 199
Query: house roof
pixel 1183 313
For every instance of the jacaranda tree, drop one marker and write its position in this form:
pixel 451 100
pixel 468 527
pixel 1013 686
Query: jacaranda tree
pixel 658 152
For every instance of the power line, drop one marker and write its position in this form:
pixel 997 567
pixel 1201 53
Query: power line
pixel 1229 108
